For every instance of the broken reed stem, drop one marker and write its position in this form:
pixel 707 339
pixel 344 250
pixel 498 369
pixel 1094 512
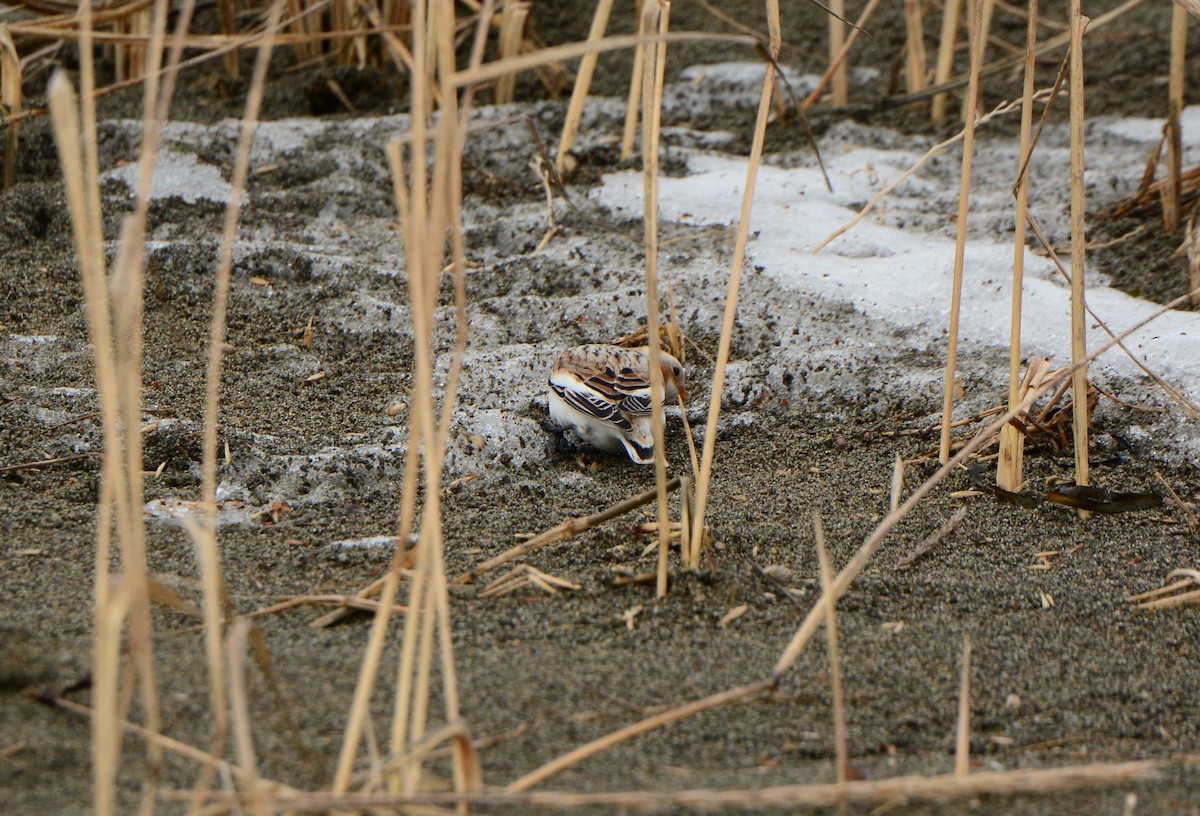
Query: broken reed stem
pixel 735 272
pixel 686 559
pixel 572 758
pixel 837 40
pixel 914 72
pixel 962 742
pixel 960 241
pixel 564 530
pixel 512 29
pixel 1172 190
pixel 1078 251
pixel 583 82
pixel 840 741
pixel 836 63
pixel 105 656
pixel 240 714
pixel 655 17
pixel 985 27
pixel 634 102
pixel 936 788
pixel 945 57
pixel 1012 442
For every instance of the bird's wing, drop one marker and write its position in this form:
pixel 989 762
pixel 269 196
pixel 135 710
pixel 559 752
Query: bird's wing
pixel 587 400
pixel 628 390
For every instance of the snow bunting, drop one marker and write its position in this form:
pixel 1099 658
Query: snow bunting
pixel 603 393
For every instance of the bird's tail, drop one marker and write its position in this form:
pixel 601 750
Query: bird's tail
pixel 642 454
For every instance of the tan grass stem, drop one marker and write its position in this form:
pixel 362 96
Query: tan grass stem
pixel 1012 441
pixel 914 50
pixel 840 58
pixel 583 83
pixel 574 757
pixel 735 272
pixel 655 17
pixel 945 57
pixel 934 788
pixel 634 102
pixel 240 715
pixel 1177 82
pixel 840 739
pixel 962 740
pixel 960 241
pixel 1078 252
pixel 572 51
pixel 565 530
pixel 837 63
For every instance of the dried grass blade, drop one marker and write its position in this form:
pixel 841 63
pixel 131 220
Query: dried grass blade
pixel 735 273
pixel 583 82
pixel 960 243
pixel 1078 252
pixel 1012 441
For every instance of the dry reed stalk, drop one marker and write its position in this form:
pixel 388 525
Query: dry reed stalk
pixel 945 57
pixel 239 705
pixel 574 757
pixel 373 654
pixel 10 97
pixel 634 102
pixel 962 740
pixel 112 608
pixel 837 40
pixel 512 31
pixel 934 788
pixel 836 63
pixel 425 215
pixel 1010 468
pixel 985 27
pixel 565 530
pixel 932 540
pixel 1172 190
pixel 573 51
pixel 686 559
pixel 1078 250
pixel 655 17
pixel 960 240
pixel 840 740
pixel 583 82
pixel 735 272
pixel 228 15
pixel 105 745
pixel 914 49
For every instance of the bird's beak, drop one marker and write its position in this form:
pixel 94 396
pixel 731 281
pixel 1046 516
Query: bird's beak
pixel 682 394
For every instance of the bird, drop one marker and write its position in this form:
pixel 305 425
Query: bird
pixel 603 393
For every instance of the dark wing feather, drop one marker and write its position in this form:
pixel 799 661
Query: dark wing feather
pixel 593 405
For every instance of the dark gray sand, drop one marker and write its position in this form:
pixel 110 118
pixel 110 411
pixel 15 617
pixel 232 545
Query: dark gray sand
pixel 1064 669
